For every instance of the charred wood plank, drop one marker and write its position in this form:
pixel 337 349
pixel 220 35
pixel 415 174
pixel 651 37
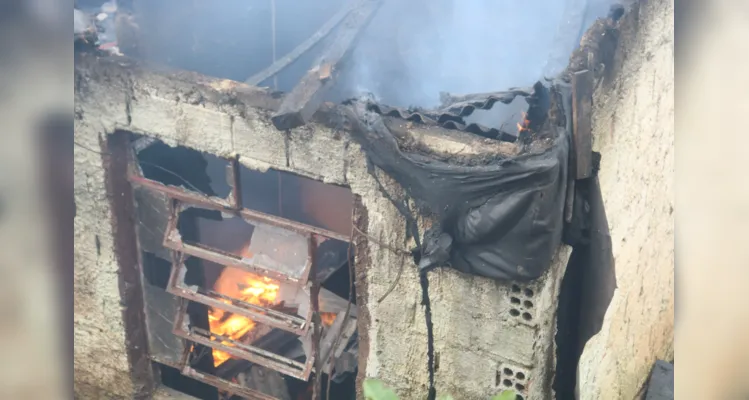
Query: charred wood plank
pixel 303 47
pixel 302 102
pixel 582 126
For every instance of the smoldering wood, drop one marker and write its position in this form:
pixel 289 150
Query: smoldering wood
pixel 303 47
pixel 343 327
pixel 302 102
pixel 582 126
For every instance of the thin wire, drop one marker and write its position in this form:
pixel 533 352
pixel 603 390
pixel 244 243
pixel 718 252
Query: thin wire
pixel 391 248
pixel 193 187
pixel 175 175
pixel 273 38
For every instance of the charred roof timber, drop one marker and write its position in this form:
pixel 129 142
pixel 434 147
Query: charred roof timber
pixel 304 100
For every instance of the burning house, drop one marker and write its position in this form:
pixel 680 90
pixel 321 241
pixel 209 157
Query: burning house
pixel 235 241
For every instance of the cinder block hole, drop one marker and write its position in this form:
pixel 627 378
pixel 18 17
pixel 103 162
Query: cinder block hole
pixel 520 375
pixel 519 397
pixel 528 292
pixel 527 316
pixel 515 289
pixel 528 304
pixel 519 387
pixel 507 371
pixel 514 300
pixel 507 382
pixel 514 312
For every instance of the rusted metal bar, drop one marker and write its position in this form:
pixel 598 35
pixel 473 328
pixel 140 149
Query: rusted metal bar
pixel 252 215
pixel 116 161
pixel 217 204
pixel 217 382
pixel 240 350
pixel 582 126
pixel 201 200
pixel 173 241
pixel 230 387
pixel 237 349
pixel 303 101
pixel 316 330
pixel 267 316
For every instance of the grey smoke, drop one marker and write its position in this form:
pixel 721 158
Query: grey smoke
pixel 411 51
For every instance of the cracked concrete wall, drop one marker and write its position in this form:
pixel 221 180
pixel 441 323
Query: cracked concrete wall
pixel 634 131
pixel 477 338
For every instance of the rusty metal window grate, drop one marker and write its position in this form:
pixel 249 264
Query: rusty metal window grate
pixel 232 304
pixel 281 255
pixel 263 350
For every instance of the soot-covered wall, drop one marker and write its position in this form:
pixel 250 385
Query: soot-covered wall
pixel 483 342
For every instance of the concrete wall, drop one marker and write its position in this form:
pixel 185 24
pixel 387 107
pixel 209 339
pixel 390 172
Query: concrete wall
pixel 476 338
pixel 634 131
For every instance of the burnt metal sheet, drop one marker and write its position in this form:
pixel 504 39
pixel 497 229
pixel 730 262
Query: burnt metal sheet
pixel 454 109
pixel 465 105
pixel 444 120
pixel 161 307
pixel 152 214
pixel 173 240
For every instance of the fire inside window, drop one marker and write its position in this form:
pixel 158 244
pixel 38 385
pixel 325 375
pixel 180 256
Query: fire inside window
pixel 260 275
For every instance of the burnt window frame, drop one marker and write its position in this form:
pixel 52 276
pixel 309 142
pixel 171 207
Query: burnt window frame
pixel 310 281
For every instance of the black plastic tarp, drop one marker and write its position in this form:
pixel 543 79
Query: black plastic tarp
pixel 501 220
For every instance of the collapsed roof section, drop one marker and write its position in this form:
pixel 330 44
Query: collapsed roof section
pixel 502 207
pixel 500 217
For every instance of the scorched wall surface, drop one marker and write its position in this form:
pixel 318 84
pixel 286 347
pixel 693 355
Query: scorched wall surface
pixel 476 337
pixel 633 129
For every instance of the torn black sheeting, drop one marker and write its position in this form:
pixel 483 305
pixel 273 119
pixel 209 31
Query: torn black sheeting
pixel 505 218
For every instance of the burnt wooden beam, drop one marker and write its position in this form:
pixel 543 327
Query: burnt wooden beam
pixel 303 47
pixel 302 102
pixel 582 126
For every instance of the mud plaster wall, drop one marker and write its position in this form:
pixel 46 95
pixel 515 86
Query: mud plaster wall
pixel 475 336
pixel 634 131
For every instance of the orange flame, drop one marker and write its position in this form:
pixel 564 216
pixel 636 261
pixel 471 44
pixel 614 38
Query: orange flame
pixel 525 124
pixel 250 288
pixel 245 286
pixel 327 318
